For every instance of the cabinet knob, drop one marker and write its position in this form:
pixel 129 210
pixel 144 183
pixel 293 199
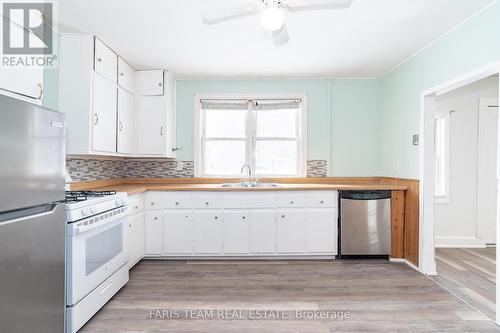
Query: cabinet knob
pixel 99 59
pixel 177 204
pixel 282 216
pixel 136 207
pixel 216 217
pixel 206 203
pixel 160 84
pixel 121 74
pixel 244 217
pixel 130 225
pixel 291 202
pixel 321 202
pixel 152 203
pixel 156 218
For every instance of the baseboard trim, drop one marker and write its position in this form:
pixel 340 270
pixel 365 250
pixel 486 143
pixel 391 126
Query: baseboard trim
pixel 405 261
pixel 456 242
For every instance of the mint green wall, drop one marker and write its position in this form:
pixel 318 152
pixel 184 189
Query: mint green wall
pixel 472 45
pixel 349 107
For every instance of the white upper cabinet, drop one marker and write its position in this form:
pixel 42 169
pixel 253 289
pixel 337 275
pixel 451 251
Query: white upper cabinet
pixel 126 128
pixel 104 115
pixel 21 83
pixel 105 61
pixel 156 115
pixel 126 76
pixel 151 83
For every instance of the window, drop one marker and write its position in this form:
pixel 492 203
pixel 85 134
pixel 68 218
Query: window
pixel 441 141
pixel 267 133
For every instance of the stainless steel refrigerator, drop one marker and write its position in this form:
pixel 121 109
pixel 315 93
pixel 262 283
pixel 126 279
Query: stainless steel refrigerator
pixel 32 226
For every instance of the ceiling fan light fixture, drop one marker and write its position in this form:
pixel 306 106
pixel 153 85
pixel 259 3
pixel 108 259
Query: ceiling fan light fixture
pixel 272 18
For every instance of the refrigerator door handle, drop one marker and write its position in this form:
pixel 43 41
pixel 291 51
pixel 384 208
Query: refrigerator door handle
pixel 28 213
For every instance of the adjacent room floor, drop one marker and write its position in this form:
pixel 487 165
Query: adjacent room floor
pixel 470 275
pixel 372 296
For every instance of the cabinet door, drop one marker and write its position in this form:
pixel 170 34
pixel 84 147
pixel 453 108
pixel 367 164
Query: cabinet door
pixel 236 232
pixel 126 76
pixel 291 231
pixel 125 137
pixel 104 115
pixel 105 61
pixel 151 126
pixel 151 83
pixel 321 227
pixel 152 233
pixel 178 232
pixel 22 83
pixel 135 238
pixel 263 231
pixel 208 233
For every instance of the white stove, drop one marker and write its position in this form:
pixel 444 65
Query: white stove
pixel 97 255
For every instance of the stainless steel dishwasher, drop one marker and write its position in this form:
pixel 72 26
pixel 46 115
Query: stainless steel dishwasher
pixel 365 223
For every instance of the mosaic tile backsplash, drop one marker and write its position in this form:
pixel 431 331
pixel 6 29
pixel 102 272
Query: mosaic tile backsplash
pixel 99 169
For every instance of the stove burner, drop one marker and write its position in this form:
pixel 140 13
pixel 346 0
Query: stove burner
pixel 77 196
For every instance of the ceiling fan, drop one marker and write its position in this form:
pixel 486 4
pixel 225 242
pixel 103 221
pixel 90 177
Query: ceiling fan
pixel 272 13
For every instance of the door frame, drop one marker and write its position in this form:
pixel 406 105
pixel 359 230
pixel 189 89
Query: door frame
pixel 427 172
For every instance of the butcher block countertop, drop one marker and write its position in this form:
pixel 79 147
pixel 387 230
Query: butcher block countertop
pixel 136 186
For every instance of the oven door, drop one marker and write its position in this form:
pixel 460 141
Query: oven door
pixel 93 256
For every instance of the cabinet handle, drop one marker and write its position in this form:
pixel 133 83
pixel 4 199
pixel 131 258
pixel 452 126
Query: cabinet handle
pixel 161 131
pixel 96 118
pixel 120 126
pixel 99 59
pixel 40 95
pixel 121 74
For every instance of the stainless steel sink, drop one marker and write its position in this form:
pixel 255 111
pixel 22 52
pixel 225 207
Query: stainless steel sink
pixel 249 185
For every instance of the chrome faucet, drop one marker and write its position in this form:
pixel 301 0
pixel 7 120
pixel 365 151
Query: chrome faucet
pixel 246 165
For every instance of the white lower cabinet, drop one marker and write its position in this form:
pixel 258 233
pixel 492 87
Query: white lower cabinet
pixel 236 232
pixel 179 229
pixel 321 231
pixel 135 238
pixel 263 232
pixel 153 233
pixel 208 232
pixel 233 224
pixel 291 231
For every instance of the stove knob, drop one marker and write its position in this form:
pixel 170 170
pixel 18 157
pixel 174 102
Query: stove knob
pixel 85 211
pixel 93 210
pixel 119 202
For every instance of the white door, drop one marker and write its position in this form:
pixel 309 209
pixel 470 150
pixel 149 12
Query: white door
pixel 126 138
pixel 291 231
pixel 236 232
pixel 24 83
pixel 152 233
pixel 208 234
pixel 104 115
pixel 135 238
pixel 263 231
pixel 178 232
pixel 151 83
pixel 321 225
pixel 151 125
pixel 105 60
pixel 487 164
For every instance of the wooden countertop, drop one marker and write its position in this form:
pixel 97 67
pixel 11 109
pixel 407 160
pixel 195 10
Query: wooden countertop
pixel 135 186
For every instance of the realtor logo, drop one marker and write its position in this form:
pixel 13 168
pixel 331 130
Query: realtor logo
pixel 27 28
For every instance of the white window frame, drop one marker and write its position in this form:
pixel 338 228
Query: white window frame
pixel 444 198
pixel 301 129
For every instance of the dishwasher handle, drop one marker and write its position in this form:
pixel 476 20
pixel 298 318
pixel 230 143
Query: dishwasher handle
pixel 365 195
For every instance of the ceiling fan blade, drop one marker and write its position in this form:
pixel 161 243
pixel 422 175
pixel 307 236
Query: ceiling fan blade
pixel 221 15
pixel 281 37
pixel 296 5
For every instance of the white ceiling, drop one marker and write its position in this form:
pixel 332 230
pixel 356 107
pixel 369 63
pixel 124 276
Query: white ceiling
pixel 366 40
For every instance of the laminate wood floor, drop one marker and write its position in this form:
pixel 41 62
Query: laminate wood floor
pixel 373 296
pixel 470 275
